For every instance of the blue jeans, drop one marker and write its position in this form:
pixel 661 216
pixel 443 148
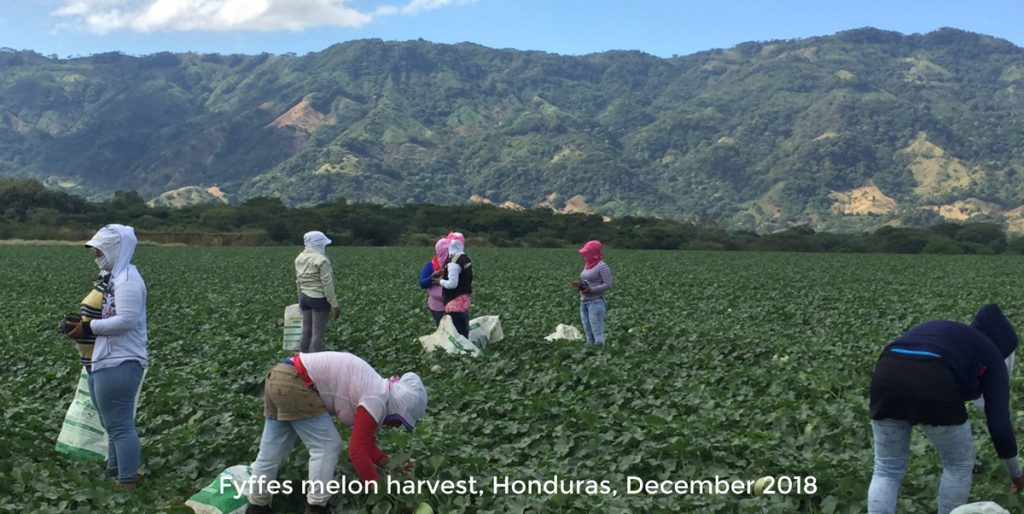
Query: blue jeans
pixel 316 312
pixel 892 449
pixel 592 313
pixel 324 443
pixel 113 393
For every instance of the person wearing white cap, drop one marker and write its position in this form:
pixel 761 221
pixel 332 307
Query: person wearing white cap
pixel 119 354
pixel 300 396
pixel 314 279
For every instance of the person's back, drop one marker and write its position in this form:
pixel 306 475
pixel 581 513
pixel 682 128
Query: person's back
pixel 924 378
pixel 308 273
pixel 314 280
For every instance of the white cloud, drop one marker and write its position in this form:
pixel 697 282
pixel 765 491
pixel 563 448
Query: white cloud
pixel 103 16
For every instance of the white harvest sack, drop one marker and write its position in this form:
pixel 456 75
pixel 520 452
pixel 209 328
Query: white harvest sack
pixel 565 332
pixel 449 339
pixel 485 330
pixel 219 496
pixel 292 328
pixel 82 433
pixel 980 508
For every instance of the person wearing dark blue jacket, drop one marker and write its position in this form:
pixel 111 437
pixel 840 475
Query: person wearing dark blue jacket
pixel 924 378
pixel 429 277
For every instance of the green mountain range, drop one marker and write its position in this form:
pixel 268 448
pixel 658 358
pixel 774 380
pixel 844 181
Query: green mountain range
pixel 843 132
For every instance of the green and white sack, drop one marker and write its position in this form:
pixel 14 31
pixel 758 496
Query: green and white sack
pixel 292 328
pixel 82 433
pixel 222 495
pixel 485 330
pixel 449 339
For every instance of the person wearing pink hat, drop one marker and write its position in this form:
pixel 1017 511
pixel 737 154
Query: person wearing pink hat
pixel 456 282
pixel 429 277
pixel 595 280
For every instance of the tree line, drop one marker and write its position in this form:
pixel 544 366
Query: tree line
pixel 30 211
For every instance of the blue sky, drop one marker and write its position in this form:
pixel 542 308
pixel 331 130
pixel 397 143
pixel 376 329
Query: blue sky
pixel 659 27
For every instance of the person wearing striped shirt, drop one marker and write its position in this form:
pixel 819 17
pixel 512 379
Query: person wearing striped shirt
pixel 595 280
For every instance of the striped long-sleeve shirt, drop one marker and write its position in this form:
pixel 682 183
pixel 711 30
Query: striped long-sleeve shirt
pixel 91 308
pixel 598 279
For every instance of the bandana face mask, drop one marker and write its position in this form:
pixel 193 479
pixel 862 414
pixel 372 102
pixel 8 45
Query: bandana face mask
pixel 101 262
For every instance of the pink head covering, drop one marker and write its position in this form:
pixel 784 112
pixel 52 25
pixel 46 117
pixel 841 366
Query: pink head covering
pixel 591 252
pixel 457 236
pixel 440 253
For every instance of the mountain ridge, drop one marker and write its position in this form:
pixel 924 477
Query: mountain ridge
pixel 761 136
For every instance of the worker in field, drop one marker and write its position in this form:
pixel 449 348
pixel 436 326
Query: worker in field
pixel 595 280
pixel 430 277
pixel 925 377
pixel 314 278
pixel 119 355
pixel 456 281
pixel 300 396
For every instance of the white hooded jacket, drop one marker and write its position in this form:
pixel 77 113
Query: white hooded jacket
pixel 121 333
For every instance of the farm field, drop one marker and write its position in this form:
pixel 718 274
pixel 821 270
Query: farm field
pixel 736 365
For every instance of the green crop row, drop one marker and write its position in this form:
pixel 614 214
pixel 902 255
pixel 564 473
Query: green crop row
pixel 718 364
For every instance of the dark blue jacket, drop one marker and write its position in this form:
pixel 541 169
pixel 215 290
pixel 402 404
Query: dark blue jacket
pixel 976 354
pixel 425 273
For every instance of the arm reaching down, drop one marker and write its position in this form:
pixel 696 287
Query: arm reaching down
pixel 362 449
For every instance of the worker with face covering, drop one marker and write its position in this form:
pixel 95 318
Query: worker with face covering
pixel 314 278
pixel 456 282
pixel 119 354
pixel 430 276
pixel 924 378
pixel 595 280
pixel 300 396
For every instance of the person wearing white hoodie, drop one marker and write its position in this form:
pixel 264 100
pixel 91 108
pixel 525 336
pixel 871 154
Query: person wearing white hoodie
pixel 314 279
pixel 456 282
pixel 301 395
pixel 119 355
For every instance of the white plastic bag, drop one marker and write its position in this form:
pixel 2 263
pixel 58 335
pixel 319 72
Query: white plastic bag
pixel 485 330
pixel 449 339
pixel 220 496
pixel 82 433
pixel 565 332
pixel 292 328
pixel 980 508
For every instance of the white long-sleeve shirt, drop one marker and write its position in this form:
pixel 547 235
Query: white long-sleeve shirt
pixel 346 382
pixel 314 276
pixel 121 334
pixel 453 276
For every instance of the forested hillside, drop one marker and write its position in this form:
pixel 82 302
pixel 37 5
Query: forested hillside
pixel 842 132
